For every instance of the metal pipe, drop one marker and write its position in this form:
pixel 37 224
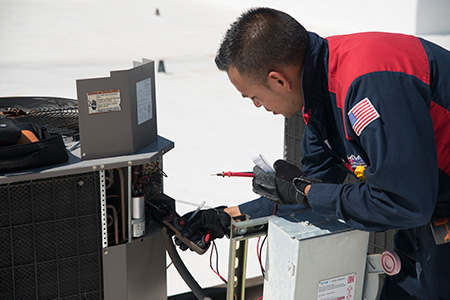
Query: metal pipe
pixel 122 196
pixel 116 223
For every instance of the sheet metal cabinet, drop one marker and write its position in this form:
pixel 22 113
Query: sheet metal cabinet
pixel 54 240
pixel 314 258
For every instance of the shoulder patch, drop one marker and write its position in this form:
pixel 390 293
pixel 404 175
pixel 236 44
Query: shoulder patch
pixel 361 115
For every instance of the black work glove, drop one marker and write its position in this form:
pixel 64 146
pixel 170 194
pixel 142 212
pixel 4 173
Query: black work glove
pixel 214 221
pixel 285 186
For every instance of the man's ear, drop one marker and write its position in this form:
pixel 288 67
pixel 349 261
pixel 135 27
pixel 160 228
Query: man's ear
pixel 278 80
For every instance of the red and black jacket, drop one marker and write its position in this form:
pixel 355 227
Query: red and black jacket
pixel 401 84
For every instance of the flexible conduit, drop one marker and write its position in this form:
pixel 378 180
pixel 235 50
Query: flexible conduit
pixel 181 268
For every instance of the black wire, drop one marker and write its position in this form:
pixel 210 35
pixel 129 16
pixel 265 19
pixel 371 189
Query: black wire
pixel 214 247
pixel 217 258
pixel 260 257
pixel 216 271
pixel 262 244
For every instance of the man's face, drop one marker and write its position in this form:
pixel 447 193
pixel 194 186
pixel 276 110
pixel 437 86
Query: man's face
pixel 277 97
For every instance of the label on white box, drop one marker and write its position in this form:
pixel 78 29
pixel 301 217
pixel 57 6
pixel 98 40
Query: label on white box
pixel 338 288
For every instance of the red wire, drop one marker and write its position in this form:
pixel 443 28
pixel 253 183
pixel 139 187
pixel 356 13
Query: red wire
pixel 210 263
pixel 257 254
pixel 257 244
pixel 144 179
pixel 275 209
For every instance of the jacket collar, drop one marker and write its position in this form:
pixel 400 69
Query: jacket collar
pixel 314 76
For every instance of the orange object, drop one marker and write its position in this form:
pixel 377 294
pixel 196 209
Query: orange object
pixel 27 137
pixel 441 222
pixel 444 222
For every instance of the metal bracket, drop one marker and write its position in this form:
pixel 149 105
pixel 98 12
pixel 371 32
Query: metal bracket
pixel 241 231
pixel 103 208
pixel 130 208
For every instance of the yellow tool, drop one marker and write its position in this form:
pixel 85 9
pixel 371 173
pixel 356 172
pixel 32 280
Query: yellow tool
pixel 359 172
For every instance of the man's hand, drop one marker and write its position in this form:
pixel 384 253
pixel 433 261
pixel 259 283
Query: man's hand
pixel 213 222
pixel 286 186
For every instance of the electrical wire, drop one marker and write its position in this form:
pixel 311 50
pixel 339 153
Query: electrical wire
pixel 139 180
pixel 217 262
pixel 259 254
pixel 116 223
pixel 259 251
pixel 275 209
pixel 122 196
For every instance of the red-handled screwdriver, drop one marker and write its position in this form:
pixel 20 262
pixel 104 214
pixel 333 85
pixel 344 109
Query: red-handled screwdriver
pixel 234 174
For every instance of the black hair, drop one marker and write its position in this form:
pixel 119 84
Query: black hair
pixel 260 40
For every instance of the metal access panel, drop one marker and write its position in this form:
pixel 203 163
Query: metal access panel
pixel 136 270
pixel 315 259
pixel 117 114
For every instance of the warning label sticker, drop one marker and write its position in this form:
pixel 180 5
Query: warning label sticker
pixel 144 100
pixel 338 288
pixel 103 101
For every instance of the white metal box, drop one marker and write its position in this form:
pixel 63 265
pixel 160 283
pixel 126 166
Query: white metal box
pixel 315 259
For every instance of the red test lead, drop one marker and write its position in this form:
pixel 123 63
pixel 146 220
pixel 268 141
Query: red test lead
pixel 234 174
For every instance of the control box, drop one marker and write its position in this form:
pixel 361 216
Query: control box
pixel 317 259
pixel 117 114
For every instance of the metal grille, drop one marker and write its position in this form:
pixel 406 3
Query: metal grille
pixel 50 239
pixel 293 134
pixel 59 115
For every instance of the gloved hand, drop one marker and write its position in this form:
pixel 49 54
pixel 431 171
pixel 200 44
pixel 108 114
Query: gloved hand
pixel 285 186
pixel 214 221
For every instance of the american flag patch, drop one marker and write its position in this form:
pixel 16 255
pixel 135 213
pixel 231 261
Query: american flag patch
pixel 362 114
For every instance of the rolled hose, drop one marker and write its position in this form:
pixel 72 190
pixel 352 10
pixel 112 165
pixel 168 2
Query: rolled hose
pixel 182 270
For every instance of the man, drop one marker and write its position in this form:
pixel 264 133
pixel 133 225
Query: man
pixel 375 103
